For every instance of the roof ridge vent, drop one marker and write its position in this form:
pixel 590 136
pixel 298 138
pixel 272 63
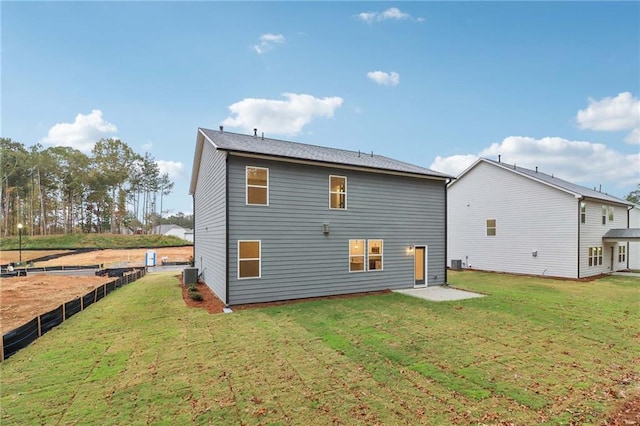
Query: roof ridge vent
pixel 221 129
pixel 255 132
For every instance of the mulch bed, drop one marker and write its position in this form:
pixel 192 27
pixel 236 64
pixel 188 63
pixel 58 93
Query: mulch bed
pixel 210 302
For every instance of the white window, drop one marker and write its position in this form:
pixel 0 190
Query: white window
pixel 375 255
pixel 604 215
pixel 491 227
pixel 356 255
pixel 611 210
pixel 257 186
pixel 622 254
pixel 249 259
pixel 595 256
pixel 583 212
pixel 337 192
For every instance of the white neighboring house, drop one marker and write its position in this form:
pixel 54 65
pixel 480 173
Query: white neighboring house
pixel 175 230
pixel 506 218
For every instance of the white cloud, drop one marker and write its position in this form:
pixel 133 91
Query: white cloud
pixel 384 78
pixel 147 146
pixel 82 134
pixel 580 162
pixel 286 117
pixel 392 13
pixel 267 41
pixel 173 168
pixel 612 114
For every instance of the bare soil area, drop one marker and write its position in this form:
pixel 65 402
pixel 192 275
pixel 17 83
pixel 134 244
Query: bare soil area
pixel 24 298
pixel 13 256
pixel 123 257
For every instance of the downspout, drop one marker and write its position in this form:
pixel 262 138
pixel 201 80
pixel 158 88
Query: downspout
pixel 628 242
pixel 193 226
pixel 579 222
pixel 446 236
pixel 226 227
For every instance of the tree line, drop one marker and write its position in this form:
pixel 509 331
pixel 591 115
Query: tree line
pixel 63 190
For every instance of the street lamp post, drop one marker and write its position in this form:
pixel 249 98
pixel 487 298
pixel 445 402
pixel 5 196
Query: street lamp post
pixel 20 240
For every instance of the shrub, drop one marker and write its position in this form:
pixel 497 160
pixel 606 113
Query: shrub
pixel 194 295
pixel 192 287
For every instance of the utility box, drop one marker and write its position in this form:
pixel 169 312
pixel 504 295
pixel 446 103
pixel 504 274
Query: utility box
pixel 456 264
pixel 150 258
pixel 190 276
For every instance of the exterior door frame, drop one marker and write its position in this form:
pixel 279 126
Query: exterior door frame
pixel 420 250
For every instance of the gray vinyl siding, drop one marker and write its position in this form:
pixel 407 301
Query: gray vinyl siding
pixel 210 220
pixel 299 261
pixel 530 216
pixel 591 234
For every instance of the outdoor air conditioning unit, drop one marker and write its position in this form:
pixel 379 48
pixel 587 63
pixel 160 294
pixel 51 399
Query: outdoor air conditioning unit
pixel 190 276
pixel 456 264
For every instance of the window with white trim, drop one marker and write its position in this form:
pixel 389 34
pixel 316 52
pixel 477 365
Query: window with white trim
pixel 356 255
pixel 583 212
pixel 249 259
pixel 257 179
pixel 375 255
pixel 611 210
pixel 595 256
pixel 491 227
pixel 604 215
pixel 622 254
pixel 337 192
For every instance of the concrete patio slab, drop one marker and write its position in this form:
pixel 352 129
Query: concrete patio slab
pixel 439 293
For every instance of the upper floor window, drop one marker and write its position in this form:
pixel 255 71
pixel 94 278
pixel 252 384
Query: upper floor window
pixel 583 212
pixel 257 186
pixel 491 227
pixel 604 215
pixel 356 255
pixel 337 192
pixel 622 254
pixel 249 259
pixel 611 210
pixel 375 255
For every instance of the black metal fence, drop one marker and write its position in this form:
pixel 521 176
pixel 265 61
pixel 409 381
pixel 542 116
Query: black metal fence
pixel 24 335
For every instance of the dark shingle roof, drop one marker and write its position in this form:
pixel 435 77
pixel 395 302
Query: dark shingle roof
pixel 278 148
pixel 628 234
pixel 560 183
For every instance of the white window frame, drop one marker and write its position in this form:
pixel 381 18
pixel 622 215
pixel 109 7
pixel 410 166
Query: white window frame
pixel 494 227
pixel 604 215
pixel 247 185
pixel 381 254
pixel 363 255
pixel 259 259
pixel 338 192
pixel 611 213
pixel 595 256
pixel 622 253
pixel 583 212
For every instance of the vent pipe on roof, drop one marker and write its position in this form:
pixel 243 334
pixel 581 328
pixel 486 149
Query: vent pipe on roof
pixel 499 157
pixel 358 153
pixel 262 135
pixel 536 169
pixel 221 129
pixel 255 133
pixel 514 166
pixel 372 153
pixel 600 189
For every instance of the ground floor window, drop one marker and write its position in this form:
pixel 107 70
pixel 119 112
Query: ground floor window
pixel 249 259
pixel 595 256
pixel 622 254
pixel 375 255
pixel 356 255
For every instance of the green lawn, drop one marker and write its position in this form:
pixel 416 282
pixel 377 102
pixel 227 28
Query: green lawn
pixel 534 351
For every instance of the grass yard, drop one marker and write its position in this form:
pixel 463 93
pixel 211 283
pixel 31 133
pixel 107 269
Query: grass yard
pixel 535 351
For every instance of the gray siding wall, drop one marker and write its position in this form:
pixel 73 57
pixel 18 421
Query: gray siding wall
pixel 299 261
pixel 210 220
pixel 529 216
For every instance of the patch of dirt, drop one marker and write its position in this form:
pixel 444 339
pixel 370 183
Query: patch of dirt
pixel 24 298
pixel 13 256
pixel 627 414
pixel 210 302
pixel 121 257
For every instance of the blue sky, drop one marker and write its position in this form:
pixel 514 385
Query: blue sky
pixel 547 84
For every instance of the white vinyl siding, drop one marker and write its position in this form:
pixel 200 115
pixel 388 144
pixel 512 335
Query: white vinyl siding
pixel 591 236
pixel 531 215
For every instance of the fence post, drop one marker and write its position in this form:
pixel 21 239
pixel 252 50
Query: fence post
pixel 95 295
pixel 64 313
pixel 39 327
pixel 2 350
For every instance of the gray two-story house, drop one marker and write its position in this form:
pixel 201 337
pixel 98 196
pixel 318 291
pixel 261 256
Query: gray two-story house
pixel 277 220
